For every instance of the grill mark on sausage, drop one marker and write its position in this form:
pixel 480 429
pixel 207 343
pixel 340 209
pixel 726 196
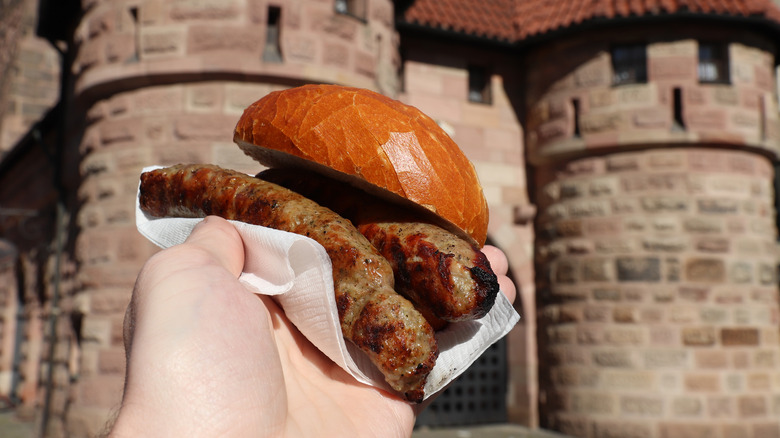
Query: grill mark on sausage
pixel 384 325
pixel 446 277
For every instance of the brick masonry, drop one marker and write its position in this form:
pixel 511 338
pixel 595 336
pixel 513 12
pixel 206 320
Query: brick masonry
pixel 742 111
pixel 667 315
pixel 655 246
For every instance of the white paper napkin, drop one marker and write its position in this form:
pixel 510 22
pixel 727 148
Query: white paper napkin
pixel 297 271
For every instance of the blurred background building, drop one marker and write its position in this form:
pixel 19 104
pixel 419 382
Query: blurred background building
pixel 627 151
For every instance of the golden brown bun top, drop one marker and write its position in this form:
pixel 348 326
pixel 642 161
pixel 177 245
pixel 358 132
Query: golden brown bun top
pixel 372 138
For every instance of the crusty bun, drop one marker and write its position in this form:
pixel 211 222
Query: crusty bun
pixel 369 140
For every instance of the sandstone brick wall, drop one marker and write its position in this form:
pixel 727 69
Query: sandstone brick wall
pixel 29 73
pixel 492 137
pixel 741 112
pixel 658 295
pixel 164 82
pixel 135 43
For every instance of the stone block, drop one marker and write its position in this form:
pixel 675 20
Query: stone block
pixel 713 245
pixel 566 271
pixel 646 406
pixel 634 95
pixel 96 329
pixel 720 406
pixel 718 206
pixel 638 269
pixel 686 407
pixel 705 119
pixel 741 272
pixel 122 130
pixel 622 206
pixel 758 381
pixel 108 301
pixel 639 182
pixel 100 391
pixel 702 225
pixel 600 97
pixel 335 54
pixel 121 48
pixel 589 335
pixel 732 337
pixel 613 358
pixel 594 313
pixel 715 315
pixel 572 189
pixel 749 406
pixel 606 294
pixel 693 294
pixel 698 336
pixel 622 429
pixel 664 244
pixel 365 64
pixel 207 97
pixel 625 336
pixel 204 127
pixel 702 382
pixel 158 100
pixel 219 38
pixel 625 314
pixel 770 429
pixel 666 358
pixel 553 130
pixel 664 204
pixel 157 42
pixel 711 359
pixel 735 430
pixel 664 224
pixel 687 430
pixel 593 74
pixel 593 403
pixel 765 359
pixel 111 361
pixel 595 123
pixel 597 270
pixel 186 10
pixel 602 226
pixel 705 270
pixel 561 335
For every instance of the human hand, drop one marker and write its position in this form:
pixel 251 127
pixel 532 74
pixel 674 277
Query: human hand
pixel 206 357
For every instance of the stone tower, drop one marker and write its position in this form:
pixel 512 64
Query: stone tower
pixel 653 148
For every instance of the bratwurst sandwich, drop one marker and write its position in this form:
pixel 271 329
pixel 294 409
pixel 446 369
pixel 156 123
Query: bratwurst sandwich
pixel 392 199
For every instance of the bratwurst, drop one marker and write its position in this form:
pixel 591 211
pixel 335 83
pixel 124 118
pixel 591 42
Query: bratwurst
pixel 383 324
pixel 447 278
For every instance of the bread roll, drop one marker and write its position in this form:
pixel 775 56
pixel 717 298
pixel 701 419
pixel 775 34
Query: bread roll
pixel 372 141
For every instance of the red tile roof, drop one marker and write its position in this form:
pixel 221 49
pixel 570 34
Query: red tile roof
pixel 515 20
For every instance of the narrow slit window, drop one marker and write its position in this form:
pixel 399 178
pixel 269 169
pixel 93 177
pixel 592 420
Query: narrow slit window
pixel 762 118
pixel 678 123
pixel 629 64
pixel 272 52
pixel 479 84
pixel 575 104
pixel 713 63
pixel 136 35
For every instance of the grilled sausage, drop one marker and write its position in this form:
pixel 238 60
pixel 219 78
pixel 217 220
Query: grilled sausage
pixel 445 276
pixel 383 324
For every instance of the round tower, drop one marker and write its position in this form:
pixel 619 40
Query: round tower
pixel 653 147
pixel 164 82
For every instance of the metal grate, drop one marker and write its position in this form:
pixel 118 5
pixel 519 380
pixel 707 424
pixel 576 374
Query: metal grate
pixel 478 396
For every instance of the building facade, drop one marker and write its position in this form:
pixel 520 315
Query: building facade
pixel 627 154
